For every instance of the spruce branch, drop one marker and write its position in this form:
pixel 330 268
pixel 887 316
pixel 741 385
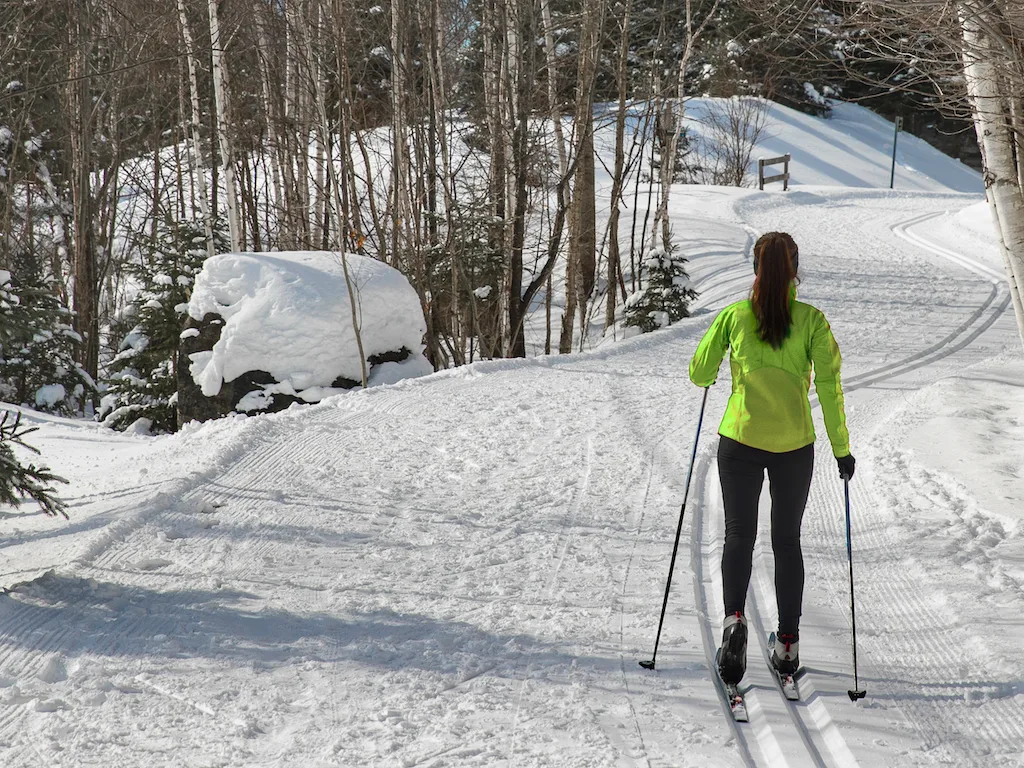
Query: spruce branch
pixel 18 482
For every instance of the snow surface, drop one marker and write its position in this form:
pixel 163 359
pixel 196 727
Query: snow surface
pixel 289 314
pixel 853 148
pixel 464 569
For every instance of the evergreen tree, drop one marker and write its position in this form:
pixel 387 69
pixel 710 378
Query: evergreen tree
pixel 786 53
pixel 666 297
pixel 142 377
pixel 37 354
pixel 19 482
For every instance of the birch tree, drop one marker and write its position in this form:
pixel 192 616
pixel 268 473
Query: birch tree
pixel 194 126
pixel 994 73
pixel 222 96
pixel 671 111
pixel 979 40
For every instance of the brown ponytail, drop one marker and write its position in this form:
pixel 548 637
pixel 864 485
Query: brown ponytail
pixel 776 259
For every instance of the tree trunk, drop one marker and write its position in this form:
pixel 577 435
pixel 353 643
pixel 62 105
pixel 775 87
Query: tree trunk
pixel 194 128
pixel 86 293
pixel 622 82
pixel 1001 174
pixel 221 93
pixel 581 267
pixel 524 33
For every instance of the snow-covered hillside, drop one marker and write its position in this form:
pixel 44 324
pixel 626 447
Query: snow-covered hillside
pixel 464 569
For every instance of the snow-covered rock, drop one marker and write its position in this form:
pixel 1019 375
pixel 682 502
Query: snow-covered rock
pixel 278 326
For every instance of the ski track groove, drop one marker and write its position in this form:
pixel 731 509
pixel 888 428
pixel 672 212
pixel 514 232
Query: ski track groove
pixel 899 591
pixel 131 540
pixel 810 722
pixel 638 528
pixel 562 544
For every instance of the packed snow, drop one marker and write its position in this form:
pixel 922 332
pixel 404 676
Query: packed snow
pixel 290 314
pixel 463 569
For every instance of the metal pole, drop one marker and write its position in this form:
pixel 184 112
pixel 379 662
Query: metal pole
pixel 895 139
pixel 857 692
pixel 679 530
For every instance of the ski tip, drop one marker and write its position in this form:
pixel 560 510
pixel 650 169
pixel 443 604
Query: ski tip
pixel 647 664
pixel 854 695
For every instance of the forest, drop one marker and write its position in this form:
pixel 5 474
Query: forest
pixel 453 141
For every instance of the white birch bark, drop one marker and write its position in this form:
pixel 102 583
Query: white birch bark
pixel 1001 174
pixel 270 112
pixel 221 94
pixel 549 55
pixel 674 115
pixel 194 127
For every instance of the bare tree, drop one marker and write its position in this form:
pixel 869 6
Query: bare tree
pixel 581 265
pixel 730 130
pixel 222 95
pixel 971 53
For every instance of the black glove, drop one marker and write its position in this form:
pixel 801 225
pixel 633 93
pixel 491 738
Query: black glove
pixel 846 466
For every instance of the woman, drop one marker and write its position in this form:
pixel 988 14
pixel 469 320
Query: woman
pixel 774 340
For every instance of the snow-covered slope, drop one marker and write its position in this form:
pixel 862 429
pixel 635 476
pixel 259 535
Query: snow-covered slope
pixel 464 569
pixel 852 148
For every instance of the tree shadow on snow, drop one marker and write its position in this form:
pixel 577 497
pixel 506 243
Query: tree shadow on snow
pixel 72 616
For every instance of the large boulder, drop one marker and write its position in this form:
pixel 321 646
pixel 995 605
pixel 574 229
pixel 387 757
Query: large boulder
pixel 266 330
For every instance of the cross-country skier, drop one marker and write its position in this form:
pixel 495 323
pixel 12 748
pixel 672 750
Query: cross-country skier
pixel 773 340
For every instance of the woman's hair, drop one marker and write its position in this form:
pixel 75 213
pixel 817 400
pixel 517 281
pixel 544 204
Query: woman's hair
pixel 776 260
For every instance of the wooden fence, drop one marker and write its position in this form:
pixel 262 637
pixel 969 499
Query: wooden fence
pixel 783 177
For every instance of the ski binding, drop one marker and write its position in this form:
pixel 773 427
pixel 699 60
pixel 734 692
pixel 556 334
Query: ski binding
pixel 736 703
pixel 733 695
pixel 787 681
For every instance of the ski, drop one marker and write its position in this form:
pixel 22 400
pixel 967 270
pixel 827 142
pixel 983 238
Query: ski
pixel 733 696
pixel 786 681
pixel 736 703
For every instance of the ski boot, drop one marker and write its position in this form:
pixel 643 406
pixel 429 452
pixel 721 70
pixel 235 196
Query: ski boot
pixel 732 656
pixel 786 654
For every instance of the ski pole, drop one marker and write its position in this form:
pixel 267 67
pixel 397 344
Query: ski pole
pixel 679 530
pixel 856 693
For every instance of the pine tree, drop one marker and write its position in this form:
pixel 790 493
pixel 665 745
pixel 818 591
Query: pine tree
pixel 142 377
pixel 666 297
pixel 37 354
pixel 19 482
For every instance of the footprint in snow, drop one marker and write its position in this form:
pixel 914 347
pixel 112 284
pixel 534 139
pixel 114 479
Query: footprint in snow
pixel 152 564
pixel 53 671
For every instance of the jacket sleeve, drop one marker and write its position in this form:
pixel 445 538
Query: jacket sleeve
pixel 827 362
pixel 708 357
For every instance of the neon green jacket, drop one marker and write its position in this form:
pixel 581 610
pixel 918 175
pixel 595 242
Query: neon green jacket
pixel 769 408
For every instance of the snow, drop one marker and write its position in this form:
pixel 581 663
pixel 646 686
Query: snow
pixel 853 148
pixel 289 314
pixel 49 395
pixel 463 569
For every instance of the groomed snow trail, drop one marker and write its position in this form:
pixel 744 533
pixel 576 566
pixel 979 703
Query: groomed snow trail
pixel 465 570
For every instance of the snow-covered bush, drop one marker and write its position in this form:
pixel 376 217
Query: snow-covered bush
pixel 37 345
pixel 271 329
pixel 667 294
pixel 142 378
pixel 18 482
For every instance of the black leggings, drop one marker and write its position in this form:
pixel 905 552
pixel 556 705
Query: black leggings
pixel 741 469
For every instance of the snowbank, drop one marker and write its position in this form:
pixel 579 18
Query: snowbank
pixel 289 314
pixel 977 219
